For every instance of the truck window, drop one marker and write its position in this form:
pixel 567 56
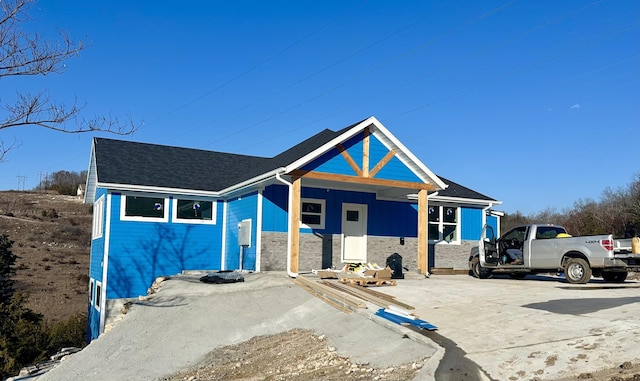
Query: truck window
pixel 546 232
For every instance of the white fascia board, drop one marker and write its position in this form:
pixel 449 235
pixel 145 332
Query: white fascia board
pixel 460 200
pixel 372 120
pixel 91 175
pixel 192 192
pixel 331 144
pixel 150 189
pixel 405 151
pixel 251 182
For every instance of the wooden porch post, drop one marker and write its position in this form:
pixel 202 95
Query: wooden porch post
pixel 294 216
pixel 423 232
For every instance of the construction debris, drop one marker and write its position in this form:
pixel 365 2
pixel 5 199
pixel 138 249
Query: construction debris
pixel 360 274
pixel 403 318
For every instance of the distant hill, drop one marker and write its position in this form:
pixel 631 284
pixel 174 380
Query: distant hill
pixel 52 235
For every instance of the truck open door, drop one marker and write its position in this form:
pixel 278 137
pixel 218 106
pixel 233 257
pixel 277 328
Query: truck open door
pixel 487 247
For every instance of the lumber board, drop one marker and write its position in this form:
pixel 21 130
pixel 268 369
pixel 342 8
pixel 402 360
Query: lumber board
pixel 332 294
pixel 386 297
pixel 365 294
pixel 321 297
pixel 366 282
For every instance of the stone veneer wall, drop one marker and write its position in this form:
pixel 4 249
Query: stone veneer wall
pixel 319 251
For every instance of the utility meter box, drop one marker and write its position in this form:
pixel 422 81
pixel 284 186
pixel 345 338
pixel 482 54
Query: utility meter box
pixel 244 233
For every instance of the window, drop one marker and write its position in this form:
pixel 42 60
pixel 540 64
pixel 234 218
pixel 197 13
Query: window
pixel 443 223
pixel 312 213
pixel 143 208
pixel 98 295
pixel 91 291
pixel 98 218
pixel 194 211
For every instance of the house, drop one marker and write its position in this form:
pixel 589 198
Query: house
pixel 353 195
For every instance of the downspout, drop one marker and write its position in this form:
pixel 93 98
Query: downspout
pixel 484 214
pixel 289 206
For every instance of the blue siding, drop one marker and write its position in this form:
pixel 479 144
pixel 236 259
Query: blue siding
pixel 240 209
pixel 493 222
pixel 333 162
pixel 139 252
pixel 95 270
pixel 97 245
pixel 470 224
pixel 396 170
pixel 274 208
pixel 385 218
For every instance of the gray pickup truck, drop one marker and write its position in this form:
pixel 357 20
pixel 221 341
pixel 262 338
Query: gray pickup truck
pixel 537 248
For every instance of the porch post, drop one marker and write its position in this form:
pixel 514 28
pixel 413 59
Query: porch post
pixel 294 216
pixel 423 233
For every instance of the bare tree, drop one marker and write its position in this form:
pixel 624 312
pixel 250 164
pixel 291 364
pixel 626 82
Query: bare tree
pixel 28 54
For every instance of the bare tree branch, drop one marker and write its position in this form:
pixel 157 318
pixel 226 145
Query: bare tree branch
pixel 28 54
pixel 4 149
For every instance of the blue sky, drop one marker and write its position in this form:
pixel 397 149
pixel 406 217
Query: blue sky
pixel 534 103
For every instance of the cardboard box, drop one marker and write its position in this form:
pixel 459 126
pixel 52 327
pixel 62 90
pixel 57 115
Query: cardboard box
pixel 379 274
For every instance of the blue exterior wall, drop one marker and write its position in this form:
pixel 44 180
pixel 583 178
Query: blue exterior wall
pixel 471 224
pixel 385 218
pixel 275 208
pixel 493 222
pixel 95 271
pixel 139 252
pixel 238 209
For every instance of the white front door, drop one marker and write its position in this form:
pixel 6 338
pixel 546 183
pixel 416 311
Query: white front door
pixel 354 233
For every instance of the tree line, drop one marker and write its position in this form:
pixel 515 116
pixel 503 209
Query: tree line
pixel 63 182
pixel 617 212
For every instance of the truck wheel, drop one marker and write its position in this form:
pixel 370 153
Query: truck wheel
pixel 479 271
pixel 577 270
pixel 614 276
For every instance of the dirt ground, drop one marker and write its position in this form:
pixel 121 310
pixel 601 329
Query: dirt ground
pixel 303 356
pixel 294 355
pixel 52 239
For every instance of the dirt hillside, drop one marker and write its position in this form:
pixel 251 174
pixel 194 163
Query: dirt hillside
pixel 52 239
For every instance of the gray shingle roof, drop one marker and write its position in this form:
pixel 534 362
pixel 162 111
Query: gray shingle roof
pixel 457 190
pixel 124 162
pixel 153 165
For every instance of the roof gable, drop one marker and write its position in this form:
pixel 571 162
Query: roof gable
pixel 123 164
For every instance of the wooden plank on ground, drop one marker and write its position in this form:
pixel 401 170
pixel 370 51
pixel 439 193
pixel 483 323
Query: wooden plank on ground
pixel 366 294
pixel 321 297
pixel 387 298
pixel 328 292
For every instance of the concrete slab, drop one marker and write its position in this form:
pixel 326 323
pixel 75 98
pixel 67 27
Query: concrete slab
pixel 186 319
pixel 538 327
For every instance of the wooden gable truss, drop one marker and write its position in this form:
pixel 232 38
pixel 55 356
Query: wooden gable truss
pixel 365 176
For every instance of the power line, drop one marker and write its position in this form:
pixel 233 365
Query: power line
pixel 262 63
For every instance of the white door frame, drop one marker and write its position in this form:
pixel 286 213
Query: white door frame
pixel 354 234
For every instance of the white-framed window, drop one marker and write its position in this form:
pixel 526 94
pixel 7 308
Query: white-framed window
pixel 98 218
pixel 444 225
pixel 92 291
pixel 312 213
pixel 189 211
pixel 146 208
pixel 98 297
